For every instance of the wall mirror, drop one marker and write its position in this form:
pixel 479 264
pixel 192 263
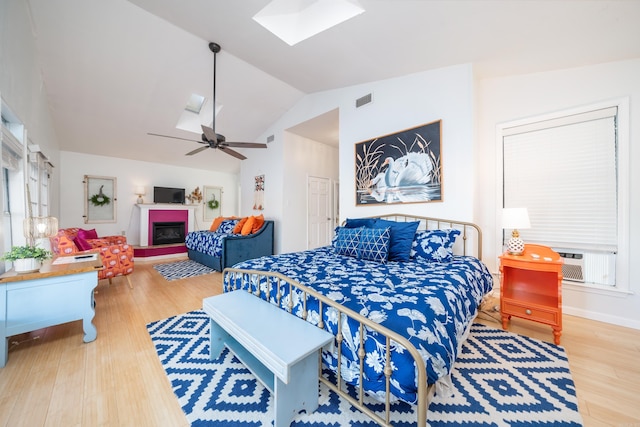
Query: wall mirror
pixel 100 199
pixel 212 200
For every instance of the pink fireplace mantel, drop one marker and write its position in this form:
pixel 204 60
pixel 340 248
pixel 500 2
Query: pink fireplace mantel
pixel 147 213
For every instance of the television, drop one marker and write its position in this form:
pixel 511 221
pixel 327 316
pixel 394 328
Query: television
pixel 168 195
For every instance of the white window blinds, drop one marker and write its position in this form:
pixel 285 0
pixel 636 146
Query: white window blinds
pixel 564 172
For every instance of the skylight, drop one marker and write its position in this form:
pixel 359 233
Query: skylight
pixel 296 20
pixel 195 103
pixel 191 120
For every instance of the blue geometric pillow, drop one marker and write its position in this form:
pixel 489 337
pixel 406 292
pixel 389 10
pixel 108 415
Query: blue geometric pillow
pixel 434 245
pixel 227 226
pixel 374 244
pixel 346 242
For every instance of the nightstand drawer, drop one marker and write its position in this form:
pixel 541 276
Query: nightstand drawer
pixel 538 314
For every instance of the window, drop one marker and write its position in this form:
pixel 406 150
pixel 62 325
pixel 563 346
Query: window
pixel 24 170
pixel 39 176
pixel 12 182
pixel 569 170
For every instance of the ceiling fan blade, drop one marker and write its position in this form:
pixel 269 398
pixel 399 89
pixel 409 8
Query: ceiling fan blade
pixel 174 137
pixel 245 144
pixel 197 150
pixel 232 152
pixel 209 133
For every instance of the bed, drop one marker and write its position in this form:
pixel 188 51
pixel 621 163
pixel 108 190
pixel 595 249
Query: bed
pixel 399 319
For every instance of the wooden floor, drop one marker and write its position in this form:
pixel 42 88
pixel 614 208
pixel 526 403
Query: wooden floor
pixel 53 379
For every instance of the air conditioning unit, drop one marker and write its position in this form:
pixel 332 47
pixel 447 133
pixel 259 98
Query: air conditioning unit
pixel 573 267
pixel 588 266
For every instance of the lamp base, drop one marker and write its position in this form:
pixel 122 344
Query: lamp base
pixel 515 246
pixel 140 201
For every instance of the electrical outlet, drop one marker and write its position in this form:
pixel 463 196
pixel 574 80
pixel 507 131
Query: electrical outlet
pixel 123 233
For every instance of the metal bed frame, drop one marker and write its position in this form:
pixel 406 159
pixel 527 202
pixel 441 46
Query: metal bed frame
pixel 470 238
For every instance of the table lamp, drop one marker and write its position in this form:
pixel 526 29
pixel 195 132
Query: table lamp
pixel 514 219
pixel 39 227
pixel 140 191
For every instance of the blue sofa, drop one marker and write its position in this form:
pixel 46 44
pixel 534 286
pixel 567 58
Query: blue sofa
pixel 235 248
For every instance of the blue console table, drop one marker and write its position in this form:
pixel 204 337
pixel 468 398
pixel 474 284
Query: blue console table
pixel 58 293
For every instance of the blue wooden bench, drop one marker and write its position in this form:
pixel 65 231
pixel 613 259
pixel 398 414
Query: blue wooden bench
pixel 280 349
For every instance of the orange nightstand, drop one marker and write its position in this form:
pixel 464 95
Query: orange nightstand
pixel 531 287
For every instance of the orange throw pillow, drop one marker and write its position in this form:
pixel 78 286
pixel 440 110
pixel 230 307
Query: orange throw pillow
pixel 258 223
pixel 248 226
pixel 238 228
pixel 216 223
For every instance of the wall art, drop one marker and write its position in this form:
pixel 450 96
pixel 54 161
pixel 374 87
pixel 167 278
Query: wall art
pixel 403 167
pixel 212 200
pixel 258 193
pixel 99 199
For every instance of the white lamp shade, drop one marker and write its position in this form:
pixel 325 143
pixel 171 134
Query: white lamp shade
pixel 515 218
pixel 140 190
pixel 40 227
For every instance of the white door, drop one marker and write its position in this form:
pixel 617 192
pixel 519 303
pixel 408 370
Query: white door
pixel 319 212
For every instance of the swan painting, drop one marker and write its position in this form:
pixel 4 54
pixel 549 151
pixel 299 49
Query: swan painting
pixel 408 170
pixel 400 168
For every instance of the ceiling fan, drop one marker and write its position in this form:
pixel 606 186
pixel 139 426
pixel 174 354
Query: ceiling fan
pixel 210 138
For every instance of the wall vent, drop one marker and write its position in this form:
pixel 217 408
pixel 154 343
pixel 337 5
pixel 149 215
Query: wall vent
pixel 270 138
pixel 363 100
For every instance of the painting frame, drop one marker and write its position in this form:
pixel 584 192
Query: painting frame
pixel 258 193
pixel 401 167
pixel 100 199
pixel 210 194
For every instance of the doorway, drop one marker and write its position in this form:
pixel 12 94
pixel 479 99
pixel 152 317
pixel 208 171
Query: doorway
pixel 319 218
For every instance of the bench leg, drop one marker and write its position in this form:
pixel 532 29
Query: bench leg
pixel 300 394
pixel 217 338
pixel 4 350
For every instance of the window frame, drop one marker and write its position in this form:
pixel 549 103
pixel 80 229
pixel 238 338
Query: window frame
pixel 622 284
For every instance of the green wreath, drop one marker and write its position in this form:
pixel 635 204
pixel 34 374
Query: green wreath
pixel 213 203
pixel 100 199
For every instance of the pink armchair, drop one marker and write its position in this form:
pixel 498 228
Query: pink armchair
pixel 115 252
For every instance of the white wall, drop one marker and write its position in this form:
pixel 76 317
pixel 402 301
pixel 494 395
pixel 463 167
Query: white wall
pixel 129 174
pixel 445 94
pixel 285 199
pixel 22 89
pixel 303 158
pixel 505 99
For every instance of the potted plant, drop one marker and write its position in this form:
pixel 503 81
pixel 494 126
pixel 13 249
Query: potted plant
pixel 26 258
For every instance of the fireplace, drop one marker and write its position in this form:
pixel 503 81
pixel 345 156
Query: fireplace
pixel 164 233
pixel 142 229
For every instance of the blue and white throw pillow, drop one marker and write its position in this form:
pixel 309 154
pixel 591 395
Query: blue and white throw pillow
pixel 374 244
pixel 347 241
pixel 434 245
pixel 227 226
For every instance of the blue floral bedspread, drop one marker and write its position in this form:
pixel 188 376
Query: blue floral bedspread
pixel 206 242
pixel 430 303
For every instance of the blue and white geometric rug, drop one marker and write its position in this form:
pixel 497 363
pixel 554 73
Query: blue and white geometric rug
pixel 182 269
pixel 501 379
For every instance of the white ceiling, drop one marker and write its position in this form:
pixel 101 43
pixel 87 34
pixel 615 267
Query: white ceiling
pixel 115 70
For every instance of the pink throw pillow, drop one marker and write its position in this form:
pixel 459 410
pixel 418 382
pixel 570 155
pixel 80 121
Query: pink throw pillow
pixel 81 243
pixel 87 234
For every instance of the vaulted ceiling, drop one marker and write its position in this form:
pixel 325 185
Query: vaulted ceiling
pixel 116 70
